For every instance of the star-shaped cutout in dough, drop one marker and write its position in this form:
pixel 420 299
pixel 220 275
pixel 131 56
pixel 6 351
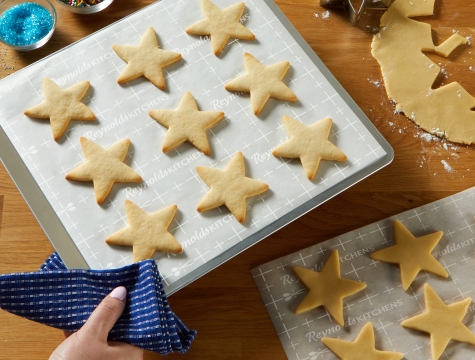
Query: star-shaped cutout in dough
pixel 310 144
pixel 443 322
pixel 146 60
pixel 104 167
pixel 327 288
pixel 61 106
pixel 147 233
pixel 230 187
pixel 411 254
pixel 362 348
pixel 186 123
pixel 221 25
pixel 262 82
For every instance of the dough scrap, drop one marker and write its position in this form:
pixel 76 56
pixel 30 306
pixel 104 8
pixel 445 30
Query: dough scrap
pixel 309 143
pixel 221 25
pixel 230 187
pixel 412 254
pixel 104 167
pixel 442 322
pixel 147 233
pixel 409 74
pixel 61 106
pixel 186 123
pixel 327 288
pixel 362 348
pixel 262 82
pixel 146 59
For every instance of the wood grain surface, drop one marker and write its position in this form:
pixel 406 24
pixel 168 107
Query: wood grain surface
pixel 225 306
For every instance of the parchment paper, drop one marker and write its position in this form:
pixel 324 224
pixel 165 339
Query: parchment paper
pixel 383 302
pixel 122 111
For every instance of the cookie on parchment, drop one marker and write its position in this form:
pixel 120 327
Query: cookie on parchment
pixel 230 187
pixel 327 288
pixel 147 233
pixel 412 254
pixel 262 82
pixel 186 123
pixel 61 106
pixel 221 25
pixel 104 167
pixel 443 322
pixel 309 143
pixel 362 348
pixel 146 60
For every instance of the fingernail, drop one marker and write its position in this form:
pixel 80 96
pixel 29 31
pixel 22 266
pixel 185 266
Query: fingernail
pixel 119 293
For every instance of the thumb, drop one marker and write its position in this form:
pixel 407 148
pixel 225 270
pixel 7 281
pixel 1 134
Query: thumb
pixel 106 314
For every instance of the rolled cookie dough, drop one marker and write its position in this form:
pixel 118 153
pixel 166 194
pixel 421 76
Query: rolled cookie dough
pixel 409 74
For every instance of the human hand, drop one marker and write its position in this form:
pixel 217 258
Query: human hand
pixel 90 342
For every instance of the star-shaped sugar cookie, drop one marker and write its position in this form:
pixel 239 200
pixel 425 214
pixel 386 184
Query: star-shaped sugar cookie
pixel 262 82
pixel 230 187
pixel 442 322
pixel 104 167
pixel 147 233
pixel 61 106
pixel 362 348
pixel 309 143
pixel 411 254
pixel 327 288
pixel 186 123
pixel 221 25
pixel 146 60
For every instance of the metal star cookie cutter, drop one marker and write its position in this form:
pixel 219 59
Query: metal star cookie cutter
pixel 349 6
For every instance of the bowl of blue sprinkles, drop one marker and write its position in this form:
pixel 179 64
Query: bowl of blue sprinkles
pixel 26 25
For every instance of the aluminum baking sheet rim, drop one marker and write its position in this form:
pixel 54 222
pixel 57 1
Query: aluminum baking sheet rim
pixel 70 254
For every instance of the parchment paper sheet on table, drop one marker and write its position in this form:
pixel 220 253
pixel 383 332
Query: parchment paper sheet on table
pixel 383 302
pixel 122 111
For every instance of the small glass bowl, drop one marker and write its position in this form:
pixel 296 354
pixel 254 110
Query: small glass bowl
pixel 7 4
pixel 85 9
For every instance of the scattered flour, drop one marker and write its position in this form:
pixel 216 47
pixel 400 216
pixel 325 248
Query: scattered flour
pixel 391 123
pixel 444 73
pixel 316 15
pixel 439 133
pixel 436 137
pixel 375 82
pixel 426 136
pixel 423 161
pixel 326 14
pixel 446 166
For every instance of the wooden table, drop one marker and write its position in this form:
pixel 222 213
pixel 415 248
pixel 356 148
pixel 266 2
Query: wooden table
pixel 225 306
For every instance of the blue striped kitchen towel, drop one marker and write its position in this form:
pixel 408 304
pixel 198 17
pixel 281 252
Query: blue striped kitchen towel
pixel 64 299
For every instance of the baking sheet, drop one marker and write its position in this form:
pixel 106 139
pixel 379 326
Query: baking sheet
pixel 215 236
pixel 383 302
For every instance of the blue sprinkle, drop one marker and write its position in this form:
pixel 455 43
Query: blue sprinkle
pixel 25 24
